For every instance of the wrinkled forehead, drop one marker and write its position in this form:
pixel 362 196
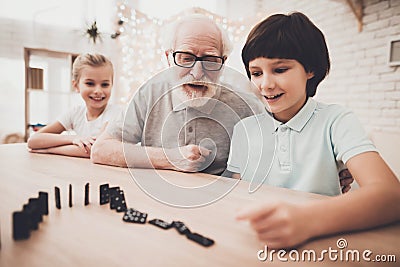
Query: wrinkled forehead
pixel 200 34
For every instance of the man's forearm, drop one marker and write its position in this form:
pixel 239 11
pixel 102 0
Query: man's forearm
pixel 108 152
pixel 115 153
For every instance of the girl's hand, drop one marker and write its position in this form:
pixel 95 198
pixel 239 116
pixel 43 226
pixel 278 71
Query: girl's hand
pixel 84 142
pixel 279 225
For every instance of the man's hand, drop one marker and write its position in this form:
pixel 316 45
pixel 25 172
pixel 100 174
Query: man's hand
pixel 346 179
pixel 187 158
pixel 85 143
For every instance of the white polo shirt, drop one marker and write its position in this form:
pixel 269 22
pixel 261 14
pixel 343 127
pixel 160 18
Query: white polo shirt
pixel 306 153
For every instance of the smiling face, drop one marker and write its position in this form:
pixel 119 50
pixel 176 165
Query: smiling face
pixel 282 84
pixel 199 37
pixel 95 85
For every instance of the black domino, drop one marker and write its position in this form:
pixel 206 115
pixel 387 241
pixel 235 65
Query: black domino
pixel 86 194
pixel 57 197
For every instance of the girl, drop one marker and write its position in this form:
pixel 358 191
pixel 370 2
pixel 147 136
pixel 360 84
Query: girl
pixel 93 79
pixel 286 57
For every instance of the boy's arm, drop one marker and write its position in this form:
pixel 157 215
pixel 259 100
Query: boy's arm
pixel 375 203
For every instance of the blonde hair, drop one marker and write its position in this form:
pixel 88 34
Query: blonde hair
pixel 93 60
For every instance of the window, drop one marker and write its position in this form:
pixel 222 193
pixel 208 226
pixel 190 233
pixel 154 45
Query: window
pixel 394 52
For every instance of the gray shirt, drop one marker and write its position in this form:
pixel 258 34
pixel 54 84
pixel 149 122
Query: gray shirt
pixel 156 118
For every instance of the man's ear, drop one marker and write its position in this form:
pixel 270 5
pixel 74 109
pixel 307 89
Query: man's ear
pixel 167 53
pixel 75 86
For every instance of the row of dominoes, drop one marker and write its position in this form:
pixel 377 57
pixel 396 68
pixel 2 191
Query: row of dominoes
pixel 57 195
pixel 115 196
pixel 30 216
pixel 32 213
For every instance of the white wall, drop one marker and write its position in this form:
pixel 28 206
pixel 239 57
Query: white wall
pixel 360 77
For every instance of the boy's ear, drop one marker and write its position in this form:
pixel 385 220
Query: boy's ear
pixel 75 86
pixel 310 75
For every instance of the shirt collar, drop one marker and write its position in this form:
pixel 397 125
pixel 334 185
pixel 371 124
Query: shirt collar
pixel 298 122
pixel 177 104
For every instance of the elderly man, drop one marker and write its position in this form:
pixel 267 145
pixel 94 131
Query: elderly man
pixel 183 121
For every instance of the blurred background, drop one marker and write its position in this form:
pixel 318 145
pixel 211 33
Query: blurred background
pixel 40 39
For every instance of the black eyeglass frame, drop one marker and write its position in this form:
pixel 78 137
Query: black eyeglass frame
pixel 201 59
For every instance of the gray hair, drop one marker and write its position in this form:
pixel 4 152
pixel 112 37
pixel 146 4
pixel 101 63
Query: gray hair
pixel 169 34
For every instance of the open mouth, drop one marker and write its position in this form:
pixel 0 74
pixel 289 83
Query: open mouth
pixel 195 89
pixel 197 86
pixel 273 97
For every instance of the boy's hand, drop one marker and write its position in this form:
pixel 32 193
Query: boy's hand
pixel 84 142
pixel 279 225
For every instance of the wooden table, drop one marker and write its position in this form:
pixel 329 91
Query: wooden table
pixel 95 235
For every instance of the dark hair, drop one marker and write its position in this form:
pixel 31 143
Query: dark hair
pixel 291 36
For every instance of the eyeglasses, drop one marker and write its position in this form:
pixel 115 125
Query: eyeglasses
pixel 187 60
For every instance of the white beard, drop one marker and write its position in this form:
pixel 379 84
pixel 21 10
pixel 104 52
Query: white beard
pixel 193 97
